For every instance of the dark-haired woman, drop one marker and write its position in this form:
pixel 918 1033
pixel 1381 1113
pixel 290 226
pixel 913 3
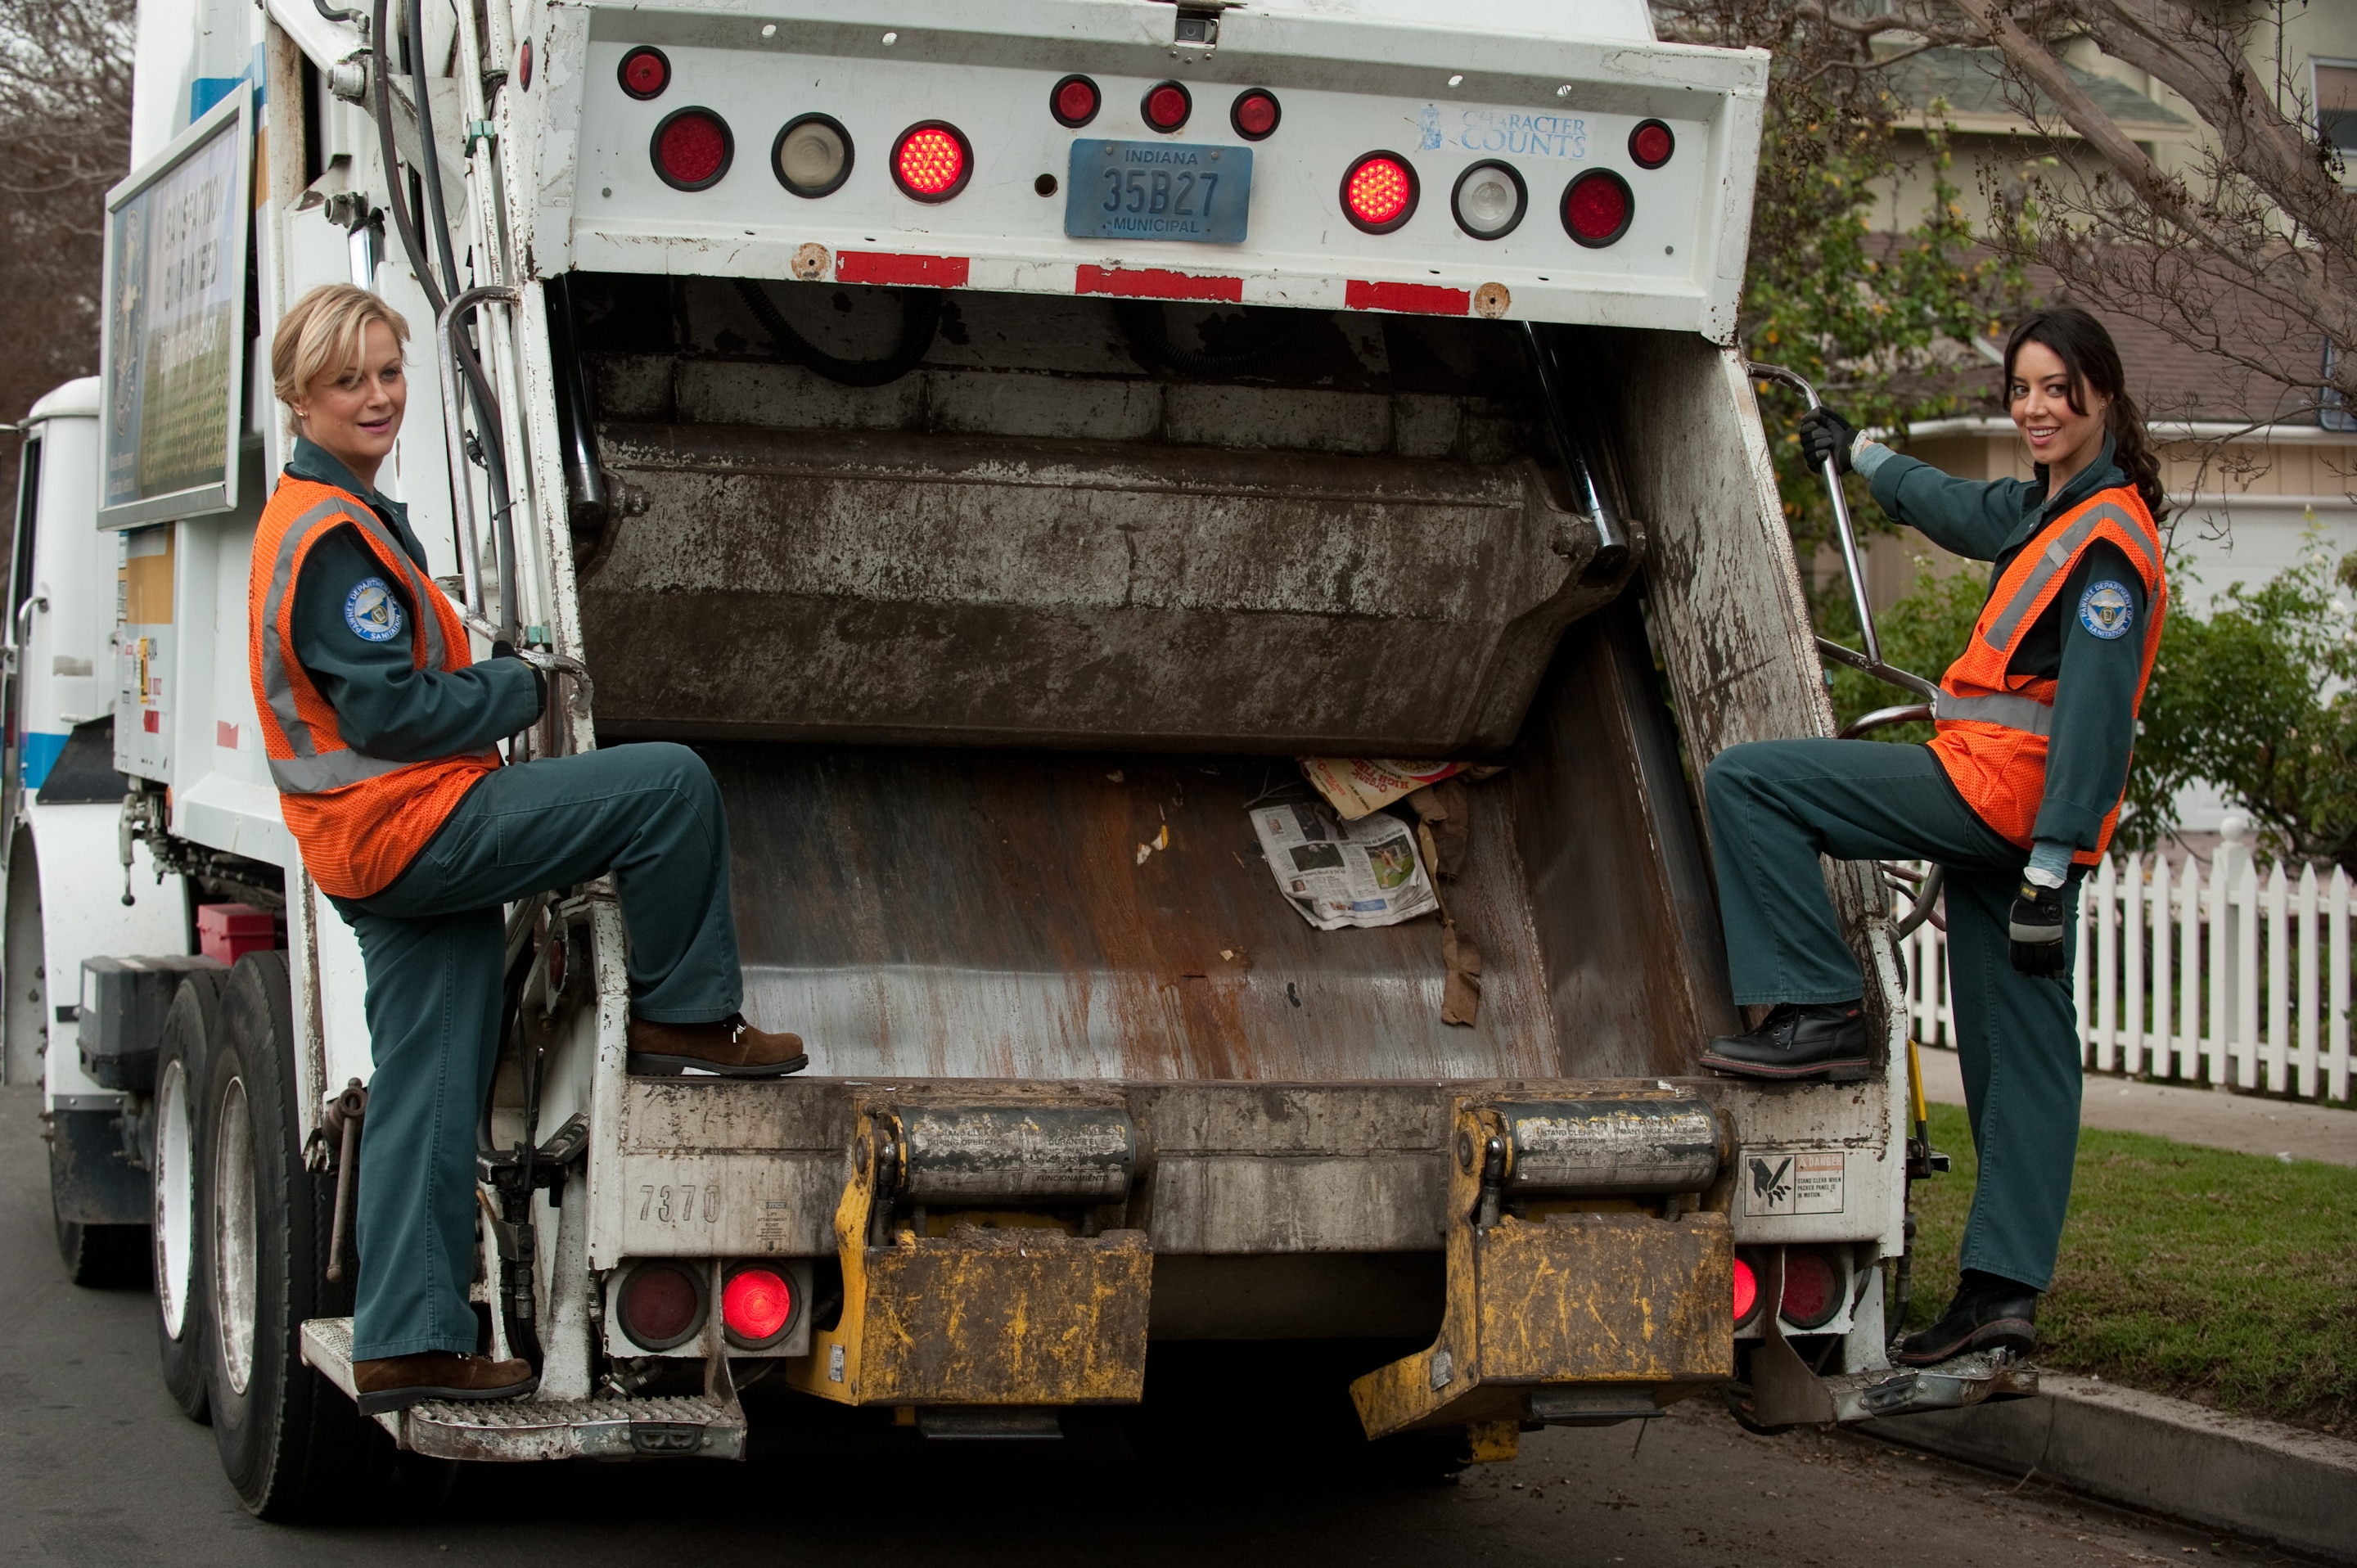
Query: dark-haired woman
pixel 2017 795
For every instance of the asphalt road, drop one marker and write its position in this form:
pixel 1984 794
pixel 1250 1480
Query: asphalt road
pixel 96 1467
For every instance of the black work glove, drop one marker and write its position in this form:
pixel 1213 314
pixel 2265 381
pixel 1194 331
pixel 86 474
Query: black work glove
pixel 1825 433
pixel 502 649
pixel 2036 927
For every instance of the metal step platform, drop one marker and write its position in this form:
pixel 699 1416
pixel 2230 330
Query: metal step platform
pixel 1886 1391
pixel 515 1430
pixel 1951 1385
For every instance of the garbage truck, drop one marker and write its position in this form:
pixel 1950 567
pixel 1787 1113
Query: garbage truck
pixel 1026 447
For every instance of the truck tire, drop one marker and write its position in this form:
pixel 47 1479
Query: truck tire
pixel 291 1444
pixel 178 1167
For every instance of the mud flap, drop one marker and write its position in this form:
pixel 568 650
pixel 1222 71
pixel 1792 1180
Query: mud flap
pixel 978 1318
pixel 1583 1317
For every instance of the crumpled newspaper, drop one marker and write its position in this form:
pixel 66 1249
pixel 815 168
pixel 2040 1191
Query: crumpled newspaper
pixel 1339 873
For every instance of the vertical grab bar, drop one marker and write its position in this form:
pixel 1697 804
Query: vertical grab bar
pixel 1871 660
pixel 462 488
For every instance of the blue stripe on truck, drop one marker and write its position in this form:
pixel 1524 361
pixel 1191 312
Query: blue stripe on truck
pixel 41 755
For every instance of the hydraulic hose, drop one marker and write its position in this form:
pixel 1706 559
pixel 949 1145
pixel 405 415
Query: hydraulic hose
pixel 1141 323
pixel 413 243
pixel 920 318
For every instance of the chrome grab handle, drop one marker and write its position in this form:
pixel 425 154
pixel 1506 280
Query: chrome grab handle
pixel 1871 660
pixel 1923 892
pixel 462 490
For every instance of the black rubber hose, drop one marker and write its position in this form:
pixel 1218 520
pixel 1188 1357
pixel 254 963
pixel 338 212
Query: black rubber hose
pixel 920 318
pixel 420 85
pixel 478 386
pixel 1141 323
pixel 404 222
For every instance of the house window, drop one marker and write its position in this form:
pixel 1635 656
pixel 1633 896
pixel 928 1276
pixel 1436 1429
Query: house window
pixel 2336 112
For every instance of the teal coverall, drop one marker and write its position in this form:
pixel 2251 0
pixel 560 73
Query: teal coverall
pixel 432 941
pixel 1775 806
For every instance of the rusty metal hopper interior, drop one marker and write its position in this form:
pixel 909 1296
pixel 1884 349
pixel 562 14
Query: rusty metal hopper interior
pixel 949 715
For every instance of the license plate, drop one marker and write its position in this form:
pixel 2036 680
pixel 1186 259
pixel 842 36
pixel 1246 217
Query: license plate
pixel 1157 190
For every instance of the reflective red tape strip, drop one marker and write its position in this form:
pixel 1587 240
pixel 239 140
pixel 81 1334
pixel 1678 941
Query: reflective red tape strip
pixel 1415 299
pixel 153 722
pixel 1149 282
pixel 225 734
pixel 883 266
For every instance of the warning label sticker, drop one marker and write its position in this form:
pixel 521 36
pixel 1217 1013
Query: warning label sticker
pixel 1808 1181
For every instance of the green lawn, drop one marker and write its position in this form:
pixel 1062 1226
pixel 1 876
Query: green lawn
pixel 2229 1279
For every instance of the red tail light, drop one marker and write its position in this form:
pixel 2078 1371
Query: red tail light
pixel 1597 208
pixel 932 160
pixel 1074 102
pixel 662 1304
pixel 692 149
pixel 1650 144
pixel 1746 1291
pixel 757 1305
pixel 1254 114
pixel 1813 1294
pixel 1379 192
pixel 1167 106
pixel 645 72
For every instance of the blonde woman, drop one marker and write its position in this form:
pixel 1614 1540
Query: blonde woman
pixel 381 729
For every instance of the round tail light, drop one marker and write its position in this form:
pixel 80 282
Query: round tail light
pixel 812 156
pixel 1597 208
pixel 1167 105
pixel 1813 1292
pixel 1746 1291
pixel 1650 144
pixel 1379 192
pixel 1254 114
pixel 662 1304
pixel 932 160
pixel 692 149
pixel 645 72
pixel 1074 102
pixel 1489 200
pixel 757 1306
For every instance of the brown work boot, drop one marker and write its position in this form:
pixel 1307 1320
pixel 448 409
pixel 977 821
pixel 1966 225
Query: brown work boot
pixel 731 1048
pixel 396 1382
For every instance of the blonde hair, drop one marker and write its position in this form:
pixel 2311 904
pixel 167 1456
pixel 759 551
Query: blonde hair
pixel 326 330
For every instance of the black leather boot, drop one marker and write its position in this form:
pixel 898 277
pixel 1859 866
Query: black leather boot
pixel 1798 1040
pixel 1990 1312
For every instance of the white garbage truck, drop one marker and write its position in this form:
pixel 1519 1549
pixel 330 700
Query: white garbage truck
pixel 1029 449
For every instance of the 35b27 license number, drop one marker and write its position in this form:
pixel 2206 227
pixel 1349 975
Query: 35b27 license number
pixel 1157 190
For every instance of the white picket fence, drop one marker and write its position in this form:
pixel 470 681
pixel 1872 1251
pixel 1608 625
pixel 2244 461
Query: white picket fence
pixel 2238 975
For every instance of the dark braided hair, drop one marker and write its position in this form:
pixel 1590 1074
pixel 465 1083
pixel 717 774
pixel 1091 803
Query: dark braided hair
pixel 2087 352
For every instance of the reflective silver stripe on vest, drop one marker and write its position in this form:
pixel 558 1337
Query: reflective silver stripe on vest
pixel 310 771
pixel 2055 558
pixel 2026 713
pixel 334 771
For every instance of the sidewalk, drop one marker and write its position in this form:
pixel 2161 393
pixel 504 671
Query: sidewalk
pixel 2249 1124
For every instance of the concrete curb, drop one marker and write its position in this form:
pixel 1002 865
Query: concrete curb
pixel 2162 1455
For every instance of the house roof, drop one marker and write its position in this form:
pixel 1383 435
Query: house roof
pixel 1979 96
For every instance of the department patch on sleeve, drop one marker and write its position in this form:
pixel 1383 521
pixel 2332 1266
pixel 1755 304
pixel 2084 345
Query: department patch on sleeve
pixel 372 612
pixel 2107 610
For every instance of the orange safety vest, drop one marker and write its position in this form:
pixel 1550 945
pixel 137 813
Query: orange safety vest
pixel 359 819
pixel 1993 728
